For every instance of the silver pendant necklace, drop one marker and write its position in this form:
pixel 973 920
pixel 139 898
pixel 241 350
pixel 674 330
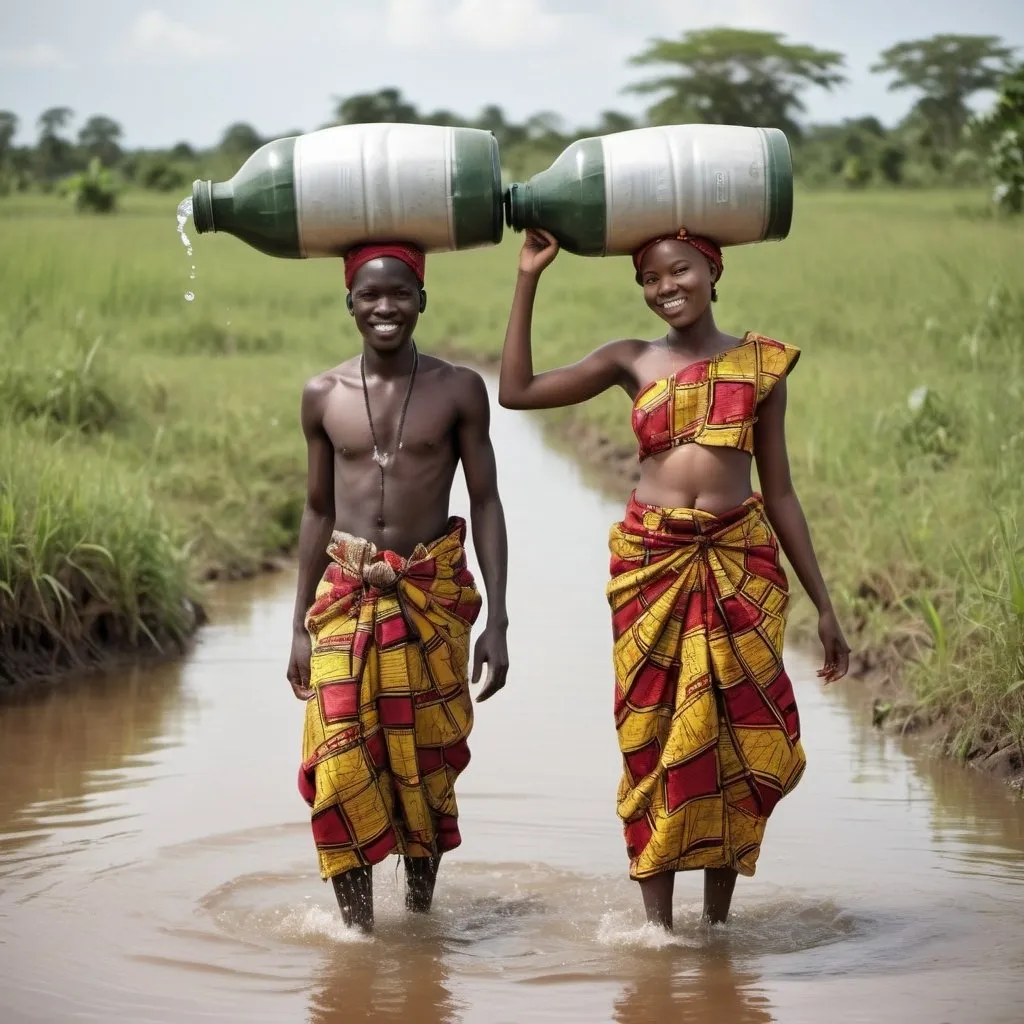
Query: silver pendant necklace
pixel 382 458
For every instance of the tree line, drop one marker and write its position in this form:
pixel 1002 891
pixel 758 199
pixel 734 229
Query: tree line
pixel 715 75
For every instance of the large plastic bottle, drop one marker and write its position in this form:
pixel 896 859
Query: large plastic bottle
pixel 321 193
pixel 606 195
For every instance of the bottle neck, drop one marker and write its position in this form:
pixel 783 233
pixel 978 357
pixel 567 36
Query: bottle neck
pixel 202 206
pixel 212 202
pixel 519 214
pixel 567 199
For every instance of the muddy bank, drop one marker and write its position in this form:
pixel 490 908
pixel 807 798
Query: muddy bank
pixel 26 667
pixel 52 662
pixel 23 668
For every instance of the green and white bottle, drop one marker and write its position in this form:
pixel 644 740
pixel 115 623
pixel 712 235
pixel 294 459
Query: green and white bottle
pixel 607 195
pixel 321 193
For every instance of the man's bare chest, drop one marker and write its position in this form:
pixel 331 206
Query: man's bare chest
pixel 426 426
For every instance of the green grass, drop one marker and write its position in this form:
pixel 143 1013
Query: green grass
pixel 906 429
pixel 88 562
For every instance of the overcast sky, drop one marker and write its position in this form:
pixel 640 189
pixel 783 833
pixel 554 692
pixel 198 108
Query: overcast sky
pixel 188 69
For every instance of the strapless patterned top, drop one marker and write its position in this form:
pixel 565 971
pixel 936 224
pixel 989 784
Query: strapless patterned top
pixel 713 401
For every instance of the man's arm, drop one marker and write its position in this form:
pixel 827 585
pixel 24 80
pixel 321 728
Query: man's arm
pixel 315 529
pixel 488 522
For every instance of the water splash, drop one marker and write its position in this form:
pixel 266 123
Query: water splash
pixel 184 212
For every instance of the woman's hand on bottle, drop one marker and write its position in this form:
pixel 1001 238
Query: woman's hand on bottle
pixel 539 249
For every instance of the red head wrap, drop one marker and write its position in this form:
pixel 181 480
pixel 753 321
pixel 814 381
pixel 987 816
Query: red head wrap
pixel 711 251
pixel 360 255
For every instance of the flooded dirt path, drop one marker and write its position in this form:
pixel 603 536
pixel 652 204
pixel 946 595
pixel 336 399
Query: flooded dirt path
pixel 156 863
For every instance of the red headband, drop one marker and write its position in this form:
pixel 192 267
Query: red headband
pixel 708 249
pixel 357 257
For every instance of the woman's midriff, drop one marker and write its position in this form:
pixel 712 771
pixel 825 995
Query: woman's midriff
pixel 713 480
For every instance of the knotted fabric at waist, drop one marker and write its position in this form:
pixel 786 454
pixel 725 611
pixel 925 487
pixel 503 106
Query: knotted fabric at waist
pixel 678 527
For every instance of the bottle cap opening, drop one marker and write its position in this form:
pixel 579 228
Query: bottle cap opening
pixel 515 206
pixel 202 206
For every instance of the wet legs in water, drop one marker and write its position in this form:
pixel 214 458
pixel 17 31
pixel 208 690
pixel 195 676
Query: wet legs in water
pixel 718 888
pixel 420 877
pixel 657 894
pixel 354 890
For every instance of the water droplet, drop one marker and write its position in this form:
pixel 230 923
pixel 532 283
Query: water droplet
pixel 190 296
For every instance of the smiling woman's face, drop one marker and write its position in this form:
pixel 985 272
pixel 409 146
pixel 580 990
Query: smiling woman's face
pixel 677 282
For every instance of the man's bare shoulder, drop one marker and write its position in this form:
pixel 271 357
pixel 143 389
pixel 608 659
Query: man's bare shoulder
pixel 322 390
pixel 435 364
pixel 321 385
pixel 328 379
pixel 458 381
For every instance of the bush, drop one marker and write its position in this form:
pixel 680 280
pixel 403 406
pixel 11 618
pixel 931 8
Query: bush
pixel 159 174
pixel 890 163
pixel 1003 129
pixel 94 190
pixel 856 172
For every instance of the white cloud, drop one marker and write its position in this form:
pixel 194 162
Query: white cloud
pixel 40 55
pixel 483 24
pixel 154 34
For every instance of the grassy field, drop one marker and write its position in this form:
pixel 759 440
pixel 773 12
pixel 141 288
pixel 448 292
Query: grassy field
pixel 146 442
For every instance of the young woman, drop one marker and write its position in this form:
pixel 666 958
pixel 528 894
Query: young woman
pixel 705 714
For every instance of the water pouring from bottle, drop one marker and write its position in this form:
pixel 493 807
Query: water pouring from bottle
pixel 184 212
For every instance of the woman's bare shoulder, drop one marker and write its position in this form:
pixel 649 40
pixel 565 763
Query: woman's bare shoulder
pixel 623 351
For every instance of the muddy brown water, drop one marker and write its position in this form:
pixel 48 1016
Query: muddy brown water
pixel 156 864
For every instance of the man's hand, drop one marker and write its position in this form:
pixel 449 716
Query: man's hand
pixel 298 664
pixel 539 249
pixel 491 649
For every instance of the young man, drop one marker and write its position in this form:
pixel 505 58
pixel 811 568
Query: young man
pixel 385 602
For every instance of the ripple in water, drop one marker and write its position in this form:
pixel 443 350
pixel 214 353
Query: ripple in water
pixel 251 909
pixel 776 928
pixel 534 919
pixel 184 212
